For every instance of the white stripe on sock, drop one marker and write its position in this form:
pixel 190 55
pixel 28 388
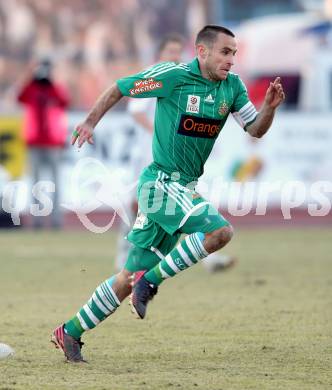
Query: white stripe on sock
pixel 200 244
pixel 184 256
pixel 196 241
pixel 164 274
pixel 172 264
pixel 89 313
pixel 107 295
pixel 195 245
pixel 100 305
pixel 192 248
pixel 105 300
pixel 110 289
pixel 82 322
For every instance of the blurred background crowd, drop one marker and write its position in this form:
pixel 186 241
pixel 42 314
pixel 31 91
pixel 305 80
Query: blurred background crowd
pixel 92 43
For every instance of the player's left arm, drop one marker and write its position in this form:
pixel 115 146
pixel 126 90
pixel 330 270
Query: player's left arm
pixel 274 97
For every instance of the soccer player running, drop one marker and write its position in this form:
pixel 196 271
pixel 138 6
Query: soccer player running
pixel 142 111
pixel 194 101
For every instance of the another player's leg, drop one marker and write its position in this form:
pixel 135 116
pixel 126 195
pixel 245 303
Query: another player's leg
pixel 123 245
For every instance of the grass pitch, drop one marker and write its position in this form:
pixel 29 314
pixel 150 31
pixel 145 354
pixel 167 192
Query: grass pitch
pixel 265 324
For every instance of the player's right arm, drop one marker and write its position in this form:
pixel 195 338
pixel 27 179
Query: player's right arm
pixel 84 131
pixel 156 81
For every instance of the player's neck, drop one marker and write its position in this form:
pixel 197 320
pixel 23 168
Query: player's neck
pixel 207 74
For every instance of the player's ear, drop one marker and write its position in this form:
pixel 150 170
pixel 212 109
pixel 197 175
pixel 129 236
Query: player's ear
pixel 202 51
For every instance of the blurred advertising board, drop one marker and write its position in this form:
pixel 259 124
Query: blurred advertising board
pixel 12 148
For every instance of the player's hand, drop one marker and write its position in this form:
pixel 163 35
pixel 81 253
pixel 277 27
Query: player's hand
pixel 275 94
pixel 83 133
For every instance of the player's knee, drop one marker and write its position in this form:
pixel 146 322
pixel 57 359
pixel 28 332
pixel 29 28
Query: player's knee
pixel 224 235
pixel 219 238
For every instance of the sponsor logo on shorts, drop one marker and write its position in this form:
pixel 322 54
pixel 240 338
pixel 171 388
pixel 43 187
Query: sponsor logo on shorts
pixel 145 85
pixel 194 126
pixel 193 104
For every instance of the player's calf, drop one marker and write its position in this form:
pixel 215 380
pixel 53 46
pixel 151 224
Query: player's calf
pixel 122 285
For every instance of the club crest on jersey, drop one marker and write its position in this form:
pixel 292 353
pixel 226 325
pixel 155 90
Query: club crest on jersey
pixel 193 104
pixel 223 109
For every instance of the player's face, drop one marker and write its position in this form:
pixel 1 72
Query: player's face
pixel 220 57
pixel 172 52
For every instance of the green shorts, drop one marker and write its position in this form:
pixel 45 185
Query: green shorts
pixel 166 210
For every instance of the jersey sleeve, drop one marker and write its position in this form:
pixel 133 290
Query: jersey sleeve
pixel 243 110
pixel 156 81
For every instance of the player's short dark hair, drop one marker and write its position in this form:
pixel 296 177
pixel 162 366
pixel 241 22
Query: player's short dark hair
pixel 174 37
pixel 209 34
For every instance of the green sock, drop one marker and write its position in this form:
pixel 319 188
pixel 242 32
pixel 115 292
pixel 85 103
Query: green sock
pixel 183 256
pixel 102 304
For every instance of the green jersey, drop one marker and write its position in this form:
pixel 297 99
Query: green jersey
pixel 190 113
